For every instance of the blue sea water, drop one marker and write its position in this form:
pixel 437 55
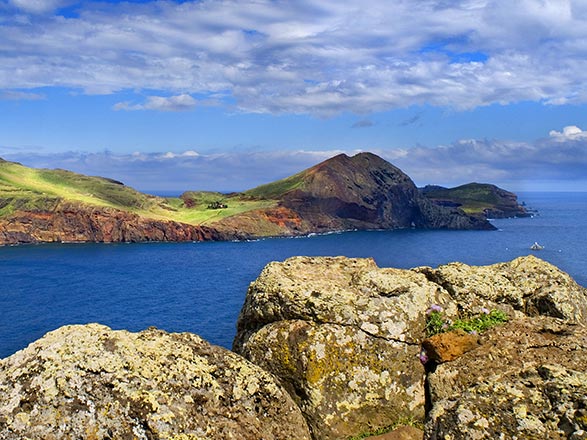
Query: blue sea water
pixel 200 287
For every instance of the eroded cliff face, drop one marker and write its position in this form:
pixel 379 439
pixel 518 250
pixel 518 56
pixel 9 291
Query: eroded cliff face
pixel 76 222
pixel 91 382
pixel 344 338
pixel 367 192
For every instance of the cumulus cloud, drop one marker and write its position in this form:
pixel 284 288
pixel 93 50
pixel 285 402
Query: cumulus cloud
pixel 514 165
pixel 571 132
pixel 561 157
pixel 322 57
pixel 179 103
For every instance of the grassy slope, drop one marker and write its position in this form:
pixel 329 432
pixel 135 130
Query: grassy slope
pixel 23 188
pixel 275 190
pixel 474 197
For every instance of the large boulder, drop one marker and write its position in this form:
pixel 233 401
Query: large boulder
pixel 92 382
pixel 344 336
pixel 527 285
pixel 528 380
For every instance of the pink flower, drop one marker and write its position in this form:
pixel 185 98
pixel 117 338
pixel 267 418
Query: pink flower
pixel 434 308
pixel 423 356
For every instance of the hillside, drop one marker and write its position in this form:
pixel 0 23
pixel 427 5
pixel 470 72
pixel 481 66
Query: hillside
pixel 359 192
pixel 341 193
pixel 480 199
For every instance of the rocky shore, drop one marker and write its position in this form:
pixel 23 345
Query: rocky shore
pixel 69 222
pixel 327 348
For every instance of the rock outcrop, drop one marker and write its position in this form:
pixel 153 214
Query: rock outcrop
pixel 335 346
pixel 527 380
pixel 76 222
pixel 344 337
pixel 94 383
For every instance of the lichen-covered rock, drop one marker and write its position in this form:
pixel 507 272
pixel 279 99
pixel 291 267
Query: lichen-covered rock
pixel 401 433
pixel 527 284
pixel 528 380
pixel 343 335
pixel 92 382
pixel 344 380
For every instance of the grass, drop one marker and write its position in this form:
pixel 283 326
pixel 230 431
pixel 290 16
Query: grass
pixel 276 190
pixel 200 214
pixel 438 323
pixel 474 197
pixel 23 188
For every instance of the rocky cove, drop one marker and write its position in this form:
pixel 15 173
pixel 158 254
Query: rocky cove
pixel 327 348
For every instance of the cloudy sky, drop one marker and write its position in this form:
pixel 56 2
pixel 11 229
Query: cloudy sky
pixel 225 95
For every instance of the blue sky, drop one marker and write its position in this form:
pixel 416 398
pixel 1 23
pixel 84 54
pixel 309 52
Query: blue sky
pixel 226 95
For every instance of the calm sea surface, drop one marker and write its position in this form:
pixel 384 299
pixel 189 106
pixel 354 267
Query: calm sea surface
pixel 200 287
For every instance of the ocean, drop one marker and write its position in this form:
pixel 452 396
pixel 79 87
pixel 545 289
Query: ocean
pixel 200 287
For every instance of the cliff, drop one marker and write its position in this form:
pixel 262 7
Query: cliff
pixel 73 222
pixel 479 199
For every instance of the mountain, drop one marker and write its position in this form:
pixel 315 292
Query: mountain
pixel 359 192
pixel 341 193
pixel 478 199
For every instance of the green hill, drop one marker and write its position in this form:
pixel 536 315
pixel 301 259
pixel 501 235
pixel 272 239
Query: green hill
pixel 29 189
pixel 480 199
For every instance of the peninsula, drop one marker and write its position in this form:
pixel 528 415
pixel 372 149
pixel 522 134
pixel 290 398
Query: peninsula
pixel 342 193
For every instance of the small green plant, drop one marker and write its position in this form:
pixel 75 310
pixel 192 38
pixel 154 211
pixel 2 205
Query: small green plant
pixel 436 322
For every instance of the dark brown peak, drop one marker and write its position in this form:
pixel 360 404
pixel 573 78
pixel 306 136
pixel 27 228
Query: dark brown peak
pixel 371 160
pixel 366 155
pixel 339 158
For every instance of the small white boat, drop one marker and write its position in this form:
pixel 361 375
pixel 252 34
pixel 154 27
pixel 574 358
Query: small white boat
pixel 536 247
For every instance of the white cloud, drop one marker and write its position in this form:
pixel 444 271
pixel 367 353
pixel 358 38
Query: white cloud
pixel 179 103
pixel 15 95
pixel 322 57
pixel 39 6
pixel 513 165
pixel 571 132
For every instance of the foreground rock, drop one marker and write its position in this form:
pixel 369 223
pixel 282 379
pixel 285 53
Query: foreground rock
pixel 94 383
pixel 343 336
pixel 73 222
pixel 527 380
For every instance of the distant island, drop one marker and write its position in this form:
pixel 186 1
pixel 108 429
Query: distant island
pixel 362 192
pixel 479 199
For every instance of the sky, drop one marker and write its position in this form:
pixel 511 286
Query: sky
pixel 224 95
